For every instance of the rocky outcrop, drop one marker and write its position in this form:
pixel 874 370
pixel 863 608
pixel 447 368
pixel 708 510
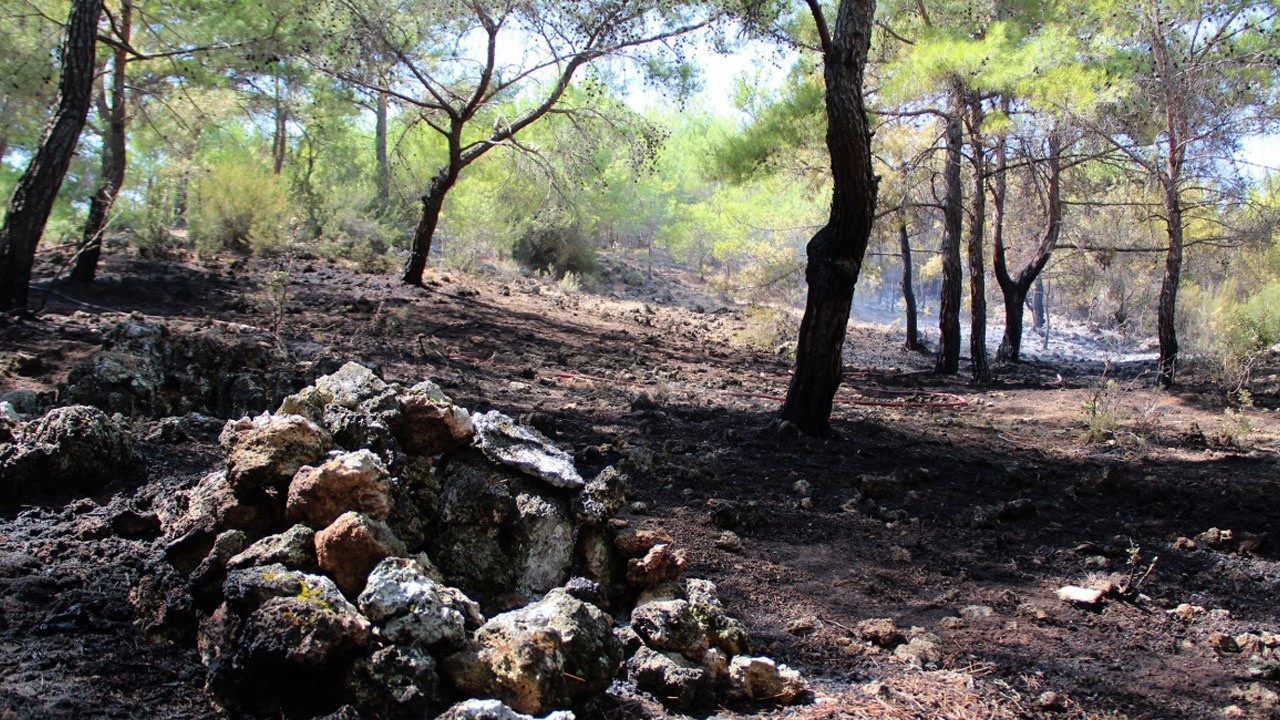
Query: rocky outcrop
pixel 142 370
pixel 75 448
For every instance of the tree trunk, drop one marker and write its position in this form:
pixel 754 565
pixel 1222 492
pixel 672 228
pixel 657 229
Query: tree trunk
pixel 952 215
pixel 114 161
pixel 382 173
pixel 981 369
pixel 908 292
pixel 280 137
pixel 1039 309
pixel 1166 311
pixel 1015 289
pixel 836 251
pixel 33 196
pixel 432 204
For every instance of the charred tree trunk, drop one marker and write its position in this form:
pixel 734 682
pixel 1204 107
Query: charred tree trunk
pixel 432 204
pixel 114 160
pixel 1015 289
pixel 908 292
pixel 981 369
pixel 1166 311
pixel 382 173
pixel 33 197
pixel 953 217
pixel 836 251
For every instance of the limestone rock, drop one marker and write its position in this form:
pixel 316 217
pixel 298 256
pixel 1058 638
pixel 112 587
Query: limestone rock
pixel 724 632
pixel 493 710
pixel 637 542
pixel 394 682
pixel 412 609
pixel 281 637
pixel 661 564
pixel 507 442
pixel 602 497
pixel 672 679
pixel 263 453
pixel 498 532
pixel 923 649
pixel 206 580
pixel 70 448
pixel 546 655
pixel 428 426
pixel 759 678
pixel 211 507
pixel 295 548
pixel 880 631
pixel 353 481
pixel 352 546
pixel 671 625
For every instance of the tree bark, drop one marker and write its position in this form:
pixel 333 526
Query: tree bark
pixel 432 204
pixel 382 172
pixel 980 368
pixel 114 160
pixel 953 216
pixel 1167 310
pixel 908 292
pixel 34 195
pixel 1015 289
pixel 836 252
pixel 280 136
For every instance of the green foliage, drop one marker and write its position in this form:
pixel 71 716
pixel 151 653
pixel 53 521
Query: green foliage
pixel 240 207
pixel 558 250
pixel 769 327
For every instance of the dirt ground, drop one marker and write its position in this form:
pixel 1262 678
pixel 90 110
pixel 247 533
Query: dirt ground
pixel 942 505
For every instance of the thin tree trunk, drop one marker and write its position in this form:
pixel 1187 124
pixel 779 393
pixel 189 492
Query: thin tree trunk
pixel 34 195
pixel 908 292
pixel 952 213
pixel 382 173
pixel 981 369
pixel 1039 309
pixel 432 204
pixel 280 137
pixel 836 251
pixel 1015 289
pixel 114 160
pixel 1167 310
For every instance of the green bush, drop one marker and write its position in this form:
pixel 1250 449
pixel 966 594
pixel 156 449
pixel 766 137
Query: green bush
pixel 557 250
pixel 240 207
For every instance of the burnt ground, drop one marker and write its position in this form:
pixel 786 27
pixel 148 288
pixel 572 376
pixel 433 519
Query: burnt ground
pixel 942 505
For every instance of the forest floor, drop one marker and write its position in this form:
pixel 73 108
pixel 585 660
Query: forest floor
pixel 943 505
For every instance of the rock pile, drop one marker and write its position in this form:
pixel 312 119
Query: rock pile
pixel 371 550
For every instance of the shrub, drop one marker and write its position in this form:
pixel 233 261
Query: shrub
pixel 557 250
pixel 240 207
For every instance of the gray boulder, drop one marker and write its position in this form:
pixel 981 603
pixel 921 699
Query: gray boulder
pixel 674 680
pixel 551 654
pixel 394 682
pixel 505 441
pixel 75 448
pixel 760 678
pixel 493 710
pixel 497 532
pixel 412 609
pixel 265 452
pixel 294 548
pixel 671 625
pixel 281 639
